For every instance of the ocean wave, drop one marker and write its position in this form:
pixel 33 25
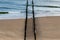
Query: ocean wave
pixel 41 8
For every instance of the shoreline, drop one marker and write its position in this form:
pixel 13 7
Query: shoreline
pixel 22 16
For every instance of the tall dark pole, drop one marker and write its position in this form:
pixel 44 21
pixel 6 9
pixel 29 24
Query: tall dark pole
pixel 34 26
pixel 26 20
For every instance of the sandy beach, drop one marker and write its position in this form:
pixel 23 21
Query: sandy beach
pixel 11 29
pixel 47 28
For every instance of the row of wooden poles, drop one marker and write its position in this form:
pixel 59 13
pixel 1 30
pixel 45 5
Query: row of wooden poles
pixel 34 26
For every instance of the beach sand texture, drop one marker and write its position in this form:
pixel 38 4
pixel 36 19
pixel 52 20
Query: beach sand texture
pixel 11 29
pixel 47 28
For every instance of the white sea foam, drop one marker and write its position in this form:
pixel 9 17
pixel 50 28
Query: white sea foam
pixel 22 16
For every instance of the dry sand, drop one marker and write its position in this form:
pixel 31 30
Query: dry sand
pixel 11 29
pixel 47 28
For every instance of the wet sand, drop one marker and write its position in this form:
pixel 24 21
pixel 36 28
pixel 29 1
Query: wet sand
pixel 47 28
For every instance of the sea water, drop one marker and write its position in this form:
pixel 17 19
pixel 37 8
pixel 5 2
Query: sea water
pixel 17 8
